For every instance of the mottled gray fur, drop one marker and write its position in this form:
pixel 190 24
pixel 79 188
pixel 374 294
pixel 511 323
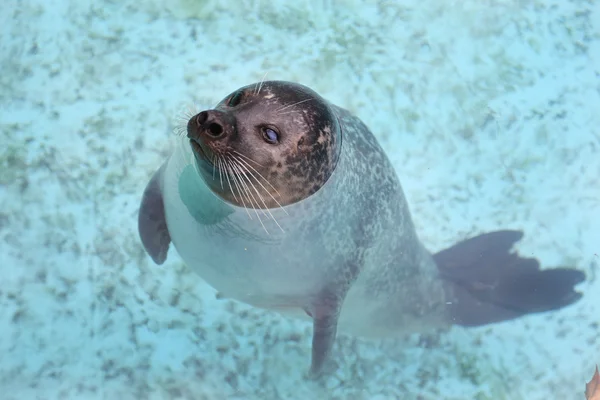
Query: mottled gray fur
pixel 349 248
pixel 342 249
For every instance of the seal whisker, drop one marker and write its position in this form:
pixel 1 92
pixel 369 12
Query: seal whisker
pixel 229 181
pixel 288 112
pixel 179 130
pixel 228 174
pixel 248 158
pixel 239 187
pixel 220 172
pixel 240 168
pixel 248 193
pixel 192 109
pixel 245 168
pixel 187 113
pixel 261 83
pixel 182 118
pixel 214 159
pixel 236 173
pixel 291 105
pixel 236 184
pixel 259 174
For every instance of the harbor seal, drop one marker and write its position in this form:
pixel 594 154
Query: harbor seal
pixel 282 200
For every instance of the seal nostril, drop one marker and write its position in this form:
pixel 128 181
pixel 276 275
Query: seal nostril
pixel 201 118
pixel 215 129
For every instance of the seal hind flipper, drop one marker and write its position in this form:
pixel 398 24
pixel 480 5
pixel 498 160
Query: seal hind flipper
pixel 152 223
pixel 487 283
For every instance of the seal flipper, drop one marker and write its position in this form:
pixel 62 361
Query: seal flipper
pixel 152 222
pixel 487 283
pixel 325 315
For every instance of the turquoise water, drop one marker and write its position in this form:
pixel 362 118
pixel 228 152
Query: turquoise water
pixel 487 109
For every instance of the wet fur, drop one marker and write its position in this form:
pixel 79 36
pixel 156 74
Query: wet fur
pixel 297 166
pixel 347 255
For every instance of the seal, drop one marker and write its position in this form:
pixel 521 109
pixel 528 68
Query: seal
pixel 282 200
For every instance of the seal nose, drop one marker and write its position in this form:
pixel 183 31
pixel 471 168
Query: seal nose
pixel 211 124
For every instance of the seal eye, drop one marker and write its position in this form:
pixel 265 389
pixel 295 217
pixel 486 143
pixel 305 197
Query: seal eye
pixel 235 99
pixel 270 135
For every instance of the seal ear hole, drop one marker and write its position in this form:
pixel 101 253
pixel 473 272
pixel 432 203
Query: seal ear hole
pixel 270 135
pixel 301 144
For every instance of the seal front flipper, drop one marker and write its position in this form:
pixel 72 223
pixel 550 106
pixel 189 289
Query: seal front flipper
pixel 487 283
pixel 325 313
pixel 152 223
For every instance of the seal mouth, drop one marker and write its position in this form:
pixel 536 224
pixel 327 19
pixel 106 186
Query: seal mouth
pixel 203 156
pixel 207 158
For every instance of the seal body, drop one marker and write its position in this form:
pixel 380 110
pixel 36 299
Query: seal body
pixel 312 221
pixel 357 222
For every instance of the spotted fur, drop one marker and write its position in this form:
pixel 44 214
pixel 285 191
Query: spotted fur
pixel 346 253
pixel 296 167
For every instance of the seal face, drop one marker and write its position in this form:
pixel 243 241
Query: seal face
pixel 269 146
pixel 347 253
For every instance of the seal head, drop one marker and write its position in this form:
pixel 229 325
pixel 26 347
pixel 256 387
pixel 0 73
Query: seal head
pixel 279 142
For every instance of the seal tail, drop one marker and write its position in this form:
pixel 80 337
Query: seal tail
pixel 487 283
